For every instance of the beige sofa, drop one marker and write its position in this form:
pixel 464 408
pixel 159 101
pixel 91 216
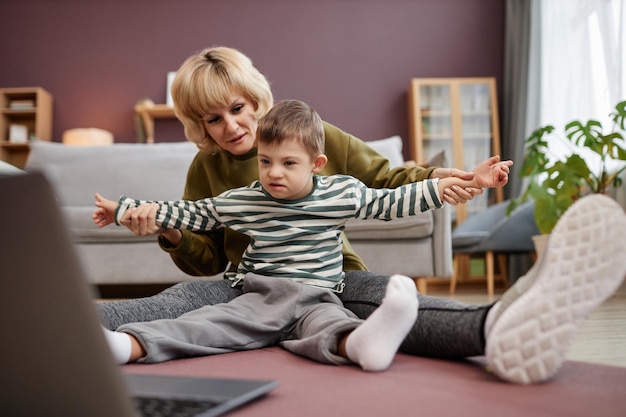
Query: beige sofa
pixel 417 247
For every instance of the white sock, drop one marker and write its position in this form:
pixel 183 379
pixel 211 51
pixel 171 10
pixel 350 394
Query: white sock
pixel 119 343
pixel 374 343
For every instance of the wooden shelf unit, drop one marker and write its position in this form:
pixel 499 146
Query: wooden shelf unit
pixel 458 116
pixel 36 118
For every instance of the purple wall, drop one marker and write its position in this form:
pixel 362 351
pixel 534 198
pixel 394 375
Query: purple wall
pixel 350 59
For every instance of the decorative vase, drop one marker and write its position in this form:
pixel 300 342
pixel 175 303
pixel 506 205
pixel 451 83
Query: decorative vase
pixel 540 242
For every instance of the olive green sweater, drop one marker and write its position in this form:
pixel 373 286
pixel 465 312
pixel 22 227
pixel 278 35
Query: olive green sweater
pixel 209 253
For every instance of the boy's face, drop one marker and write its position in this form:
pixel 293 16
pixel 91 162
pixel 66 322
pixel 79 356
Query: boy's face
pixel 286 169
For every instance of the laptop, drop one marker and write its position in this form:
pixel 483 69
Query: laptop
pixel 54 360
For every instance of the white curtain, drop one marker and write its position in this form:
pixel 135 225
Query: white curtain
pixel 577 62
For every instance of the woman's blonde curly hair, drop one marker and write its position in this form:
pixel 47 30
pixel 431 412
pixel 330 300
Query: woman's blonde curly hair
pixel 208 80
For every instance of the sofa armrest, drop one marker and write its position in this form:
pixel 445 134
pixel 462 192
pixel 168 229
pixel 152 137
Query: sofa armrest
pixel 144 171
pixel 417 246
pixel 8 169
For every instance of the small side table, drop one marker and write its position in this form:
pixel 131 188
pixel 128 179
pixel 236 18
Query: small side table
pixel 148 112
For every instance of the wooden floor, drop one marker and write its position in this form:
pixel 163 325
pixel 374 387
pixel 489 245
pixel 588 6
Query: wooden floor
pixel 602 338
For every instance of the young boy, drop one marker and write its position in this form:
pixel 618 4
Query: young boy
pixel 293 264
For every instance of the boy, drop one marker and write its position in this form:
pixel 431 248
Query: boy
pixel 293 264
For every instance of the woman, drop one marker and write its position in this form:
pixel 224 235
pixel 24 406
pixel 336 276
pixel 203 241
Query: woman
pixel 219 97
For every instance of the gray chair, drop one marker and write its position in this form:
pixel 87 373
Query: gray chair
pixel 492 232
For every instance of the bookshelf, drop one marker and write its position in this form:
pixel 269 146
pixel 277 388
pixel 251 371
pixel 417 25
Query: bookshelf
pixel 26 113
pixel 460 117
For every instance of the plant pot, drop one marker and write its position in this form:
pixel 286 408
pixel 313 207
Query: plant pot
pixel 540 242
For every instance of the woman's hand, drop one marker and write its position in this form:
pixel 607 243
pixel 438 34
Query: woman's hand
pixel 456 195
pixel 141 220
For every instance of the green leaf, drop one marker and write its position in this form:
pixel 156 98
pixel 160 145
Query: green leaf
pixel 546 215
pixel 576 166
pixel 614 150
pixel 536 142
pixel 535 158
pixel 587 135
pixel 619 117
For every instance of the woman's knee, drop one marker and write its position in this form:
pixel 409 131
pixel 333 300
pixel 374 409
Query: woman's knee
pixel 363 292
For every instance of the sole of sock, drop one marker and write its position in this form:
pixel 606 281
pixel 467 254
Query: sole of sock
pixel 584 263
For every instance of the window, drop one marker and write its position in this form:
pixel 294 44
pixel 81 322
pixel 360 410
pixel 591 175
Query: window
pixel 582 59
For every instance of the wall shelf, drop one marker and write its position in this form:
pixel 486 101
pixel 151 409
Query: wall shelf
pixel 148 112
pixel 29 108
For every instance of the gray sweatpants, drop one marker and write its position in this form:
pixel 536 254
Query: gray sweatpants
pixel 444 329
pixel 305 320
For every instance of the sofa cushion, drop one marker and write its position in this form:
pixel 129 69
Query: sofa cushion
pixel 406 228
pixel 418 226
pixel 146 171
pixel 462 240
pixel 83 229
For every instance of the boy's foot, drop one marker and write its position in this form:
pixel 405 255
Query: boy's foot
pixel 375 342
pixel 119 344
pixel 537 319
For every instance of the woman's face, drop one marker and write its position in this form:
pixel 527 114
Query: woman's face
pixel 233 127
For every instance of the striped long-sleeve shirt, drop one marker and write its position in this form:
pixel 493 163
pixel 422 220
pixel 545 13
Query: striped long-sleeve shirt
pixel 297 239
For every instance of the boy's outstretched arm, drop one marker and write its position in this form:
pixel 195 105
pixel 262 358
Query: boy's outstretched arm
pixel 141 220
pixel 105 212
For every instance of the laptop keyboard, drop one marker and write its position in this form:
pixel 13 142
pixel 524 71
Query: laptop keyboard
pixel 157 407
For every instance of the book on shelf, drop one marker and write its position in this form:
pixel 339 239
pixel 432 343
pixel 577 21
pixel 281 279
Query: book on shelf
pixel 22 104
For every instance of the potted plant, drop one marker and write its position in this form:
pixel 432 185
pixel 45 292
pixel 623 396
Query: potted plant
pixel 555 183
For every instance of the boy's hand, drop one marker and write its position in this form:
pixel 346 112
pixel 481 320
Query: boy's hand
pixel 492 173
pixel 105 213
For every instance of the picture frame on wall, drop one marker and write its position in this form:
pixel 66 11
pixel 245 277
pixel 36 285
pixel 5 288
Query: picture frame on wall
pixel 168 96
pixel 18 133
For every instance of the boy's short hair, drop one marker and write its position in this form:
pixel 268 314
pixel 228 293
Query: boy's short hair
pixel 292 119
pixel 207 80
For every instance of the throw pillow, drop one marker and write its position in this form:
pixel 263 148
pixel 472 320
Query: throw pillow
pixel 390 148
pixel 438 160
